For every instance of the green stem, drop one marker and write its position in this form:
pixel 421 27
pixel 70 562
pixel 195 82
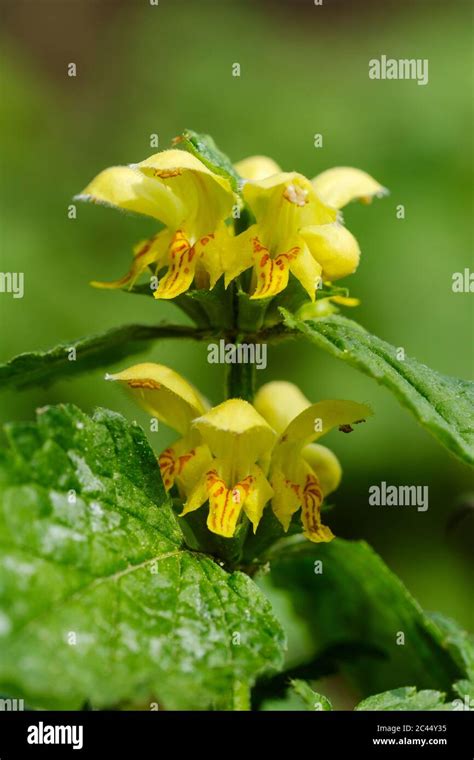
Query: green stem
pixel 240 377
pixel 240 381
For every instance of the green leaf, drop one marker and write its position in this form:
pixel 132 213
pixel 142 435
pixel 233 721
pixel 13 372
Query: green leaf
pixel 465 689
pixel 459 642
pixel 353 598
pixel 204 148
pixel 311 699
pixel 100 599
pixel 443 405
pixel 85 354
pixel 405 698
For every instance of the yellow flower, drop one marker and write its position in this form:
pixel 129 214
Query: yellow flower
pixel 238 456
pixel 283 205
pixel 297 228
pixel 343 184
pixel 302 473
pixel 238 438
pixel 190 200
pixel 256 167
pixel 217 456
pixel 171 399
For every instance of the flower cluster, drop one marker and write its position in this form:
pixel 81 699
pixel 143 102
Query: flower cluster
pixel 296 226
pixel 239 456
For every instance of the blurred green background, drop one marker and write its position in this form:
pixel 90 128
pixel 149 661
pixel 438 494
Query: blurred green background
pixel 143 70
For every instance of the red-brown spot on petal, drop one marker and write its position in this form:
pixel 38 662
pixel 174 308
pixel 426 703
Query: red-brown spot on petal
pixel 167 173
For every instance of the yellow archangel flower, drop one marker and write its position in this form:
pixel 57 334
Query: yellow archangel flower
pixel 168 397
pixel 298 227
pixel 302 472
pixel 216 459
pixel 231 455
pixel 238 438
pixel 190 200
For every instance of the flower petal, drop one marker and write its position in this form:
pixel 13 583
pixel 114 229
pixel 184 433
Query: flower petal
pixel 206 197
pixel 212 251
pixel 343 184
pixel 286 499
pixel 239 255
pixel 195 462
pixel 129 189
pixel 182 266
pixel 271 274
pixel 197 497
pixel 225 504
pixel 307 271
pixel 237 435
pixel 163 393
pixel 256 167
pixel 279 402
pixel 311 497
pixel 167 463
pixel 259 494
pixel 345 301
pixel 152 251
pixel 325 465
pixel 334 248
pixel 321 417
pixel 174 163
pixel 304 491
pixel 189 262
pixel 184 465
pixel 282 205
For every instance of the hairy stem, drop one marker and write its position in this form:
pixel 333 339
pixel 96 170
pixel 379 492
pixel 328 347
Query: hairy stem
pixel 240 381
